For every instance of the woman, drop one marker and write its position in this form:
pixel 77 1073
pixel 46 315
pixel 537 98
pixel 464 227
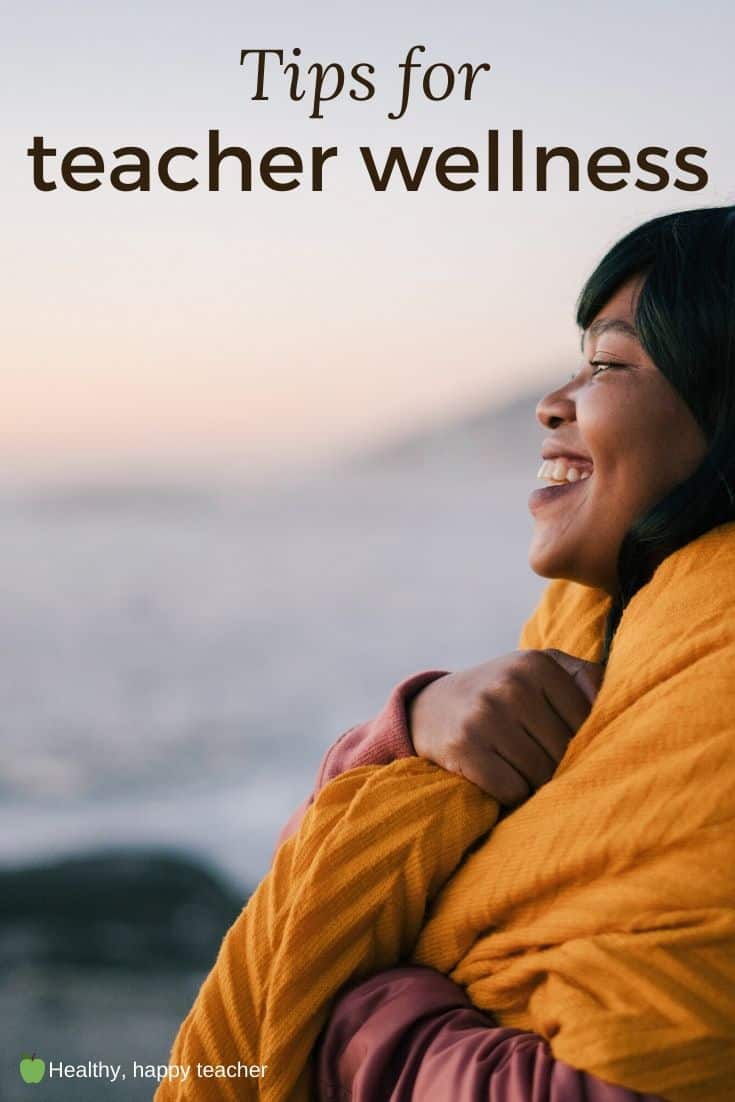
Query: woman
pixel 604 936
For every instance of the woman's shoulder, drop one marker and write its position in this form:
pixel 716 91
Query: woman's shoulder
pixel 570 617
pixel 694 581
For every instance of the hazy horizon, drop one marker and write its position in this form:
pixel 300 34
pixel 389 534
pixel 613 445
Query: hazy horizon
pixel 189 472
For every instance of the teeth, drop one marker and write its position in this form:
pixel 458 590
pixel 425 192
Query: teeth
pixel 561 470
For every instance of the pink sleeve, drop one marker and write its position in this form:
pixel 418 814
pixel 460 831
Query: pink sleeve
pixel 377 742
pixel 410 1034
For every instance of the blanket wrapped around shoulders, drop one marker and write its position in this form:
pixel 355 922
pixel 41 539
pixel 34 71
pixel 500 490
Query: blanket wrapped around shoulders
pixel 600 914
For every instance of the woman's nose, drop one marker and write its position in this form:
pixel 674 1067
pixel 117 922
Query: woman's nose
pixel 556 407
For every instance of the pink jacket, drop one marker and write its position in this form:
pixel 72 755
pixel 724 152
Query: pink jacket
pixel 411 1034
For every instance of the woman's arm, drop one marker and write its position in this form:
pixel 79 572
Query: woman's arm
pixel 377 742
pixel 504 724
pixel 410 1034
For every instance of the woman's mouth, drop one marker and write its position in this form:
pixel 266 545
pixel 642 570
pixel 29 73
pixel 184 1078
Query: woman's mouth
pixel 563 469
pixel 563 475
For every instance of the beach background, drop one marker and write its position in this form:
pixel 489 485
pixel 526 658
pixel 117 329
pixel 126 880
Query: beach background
pixel 266 454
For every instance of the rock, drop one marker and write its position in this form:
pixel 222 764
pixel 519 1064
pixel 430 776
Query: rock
pixel 133 909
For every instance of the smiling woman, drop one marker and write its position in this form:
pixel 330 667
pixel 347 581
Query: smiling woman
pixel 638 439
pixel 673 281
pixel 543 909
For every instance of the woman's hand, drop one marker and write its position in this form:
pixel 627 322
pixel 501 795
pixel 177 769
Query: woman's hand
pixel 505 724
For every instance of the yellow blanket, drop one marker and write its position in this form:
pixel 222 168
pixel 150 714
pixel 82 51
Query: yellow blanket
pixel 600 914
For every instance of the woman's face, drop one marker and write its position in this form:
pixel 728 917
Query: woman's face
pixel 628 435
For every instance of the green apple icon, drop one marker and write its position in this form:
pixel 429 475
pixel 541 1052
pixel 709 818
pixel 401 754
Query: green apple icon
pixel 32 1068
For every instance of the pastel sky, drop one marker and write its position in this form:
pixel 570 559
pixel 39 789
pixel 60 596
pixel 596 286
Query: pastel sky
pixel 230 331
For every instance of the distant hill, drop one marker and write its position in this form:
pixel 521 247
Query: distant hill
pixel 506 434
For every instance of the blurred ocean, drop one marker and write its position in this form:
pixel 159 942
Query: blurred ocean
pixel 175 661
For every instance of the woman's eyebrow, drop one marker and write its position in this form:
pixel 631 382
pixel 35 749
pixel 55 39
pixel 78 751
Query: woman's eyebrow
pixel 605 325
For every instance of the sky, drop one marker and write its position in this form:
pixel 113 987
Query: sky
pixel 228 333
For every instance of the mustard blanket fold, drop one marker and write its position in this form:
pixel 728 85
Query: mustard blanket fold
pixel 600 914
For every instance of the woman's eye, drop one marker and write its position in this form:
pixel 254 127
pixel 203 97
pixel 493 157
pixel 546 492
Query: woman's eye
pixel 597 366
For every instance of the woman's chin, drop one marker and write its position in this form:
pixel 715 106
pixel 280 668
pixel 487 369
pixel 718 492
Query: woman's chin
pixel 555 562
pixel 544 558
pixel 552 560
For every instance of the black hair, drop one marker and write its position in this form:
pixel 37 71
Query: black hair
pixel 685 320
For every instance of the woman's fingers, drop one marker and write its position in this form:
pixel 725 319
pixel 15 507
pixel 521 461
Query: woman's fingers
pixel 493 774
pixel 523 747
pixel 506 724
pixel 587 675
pixel 528 719
pixel 557 678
